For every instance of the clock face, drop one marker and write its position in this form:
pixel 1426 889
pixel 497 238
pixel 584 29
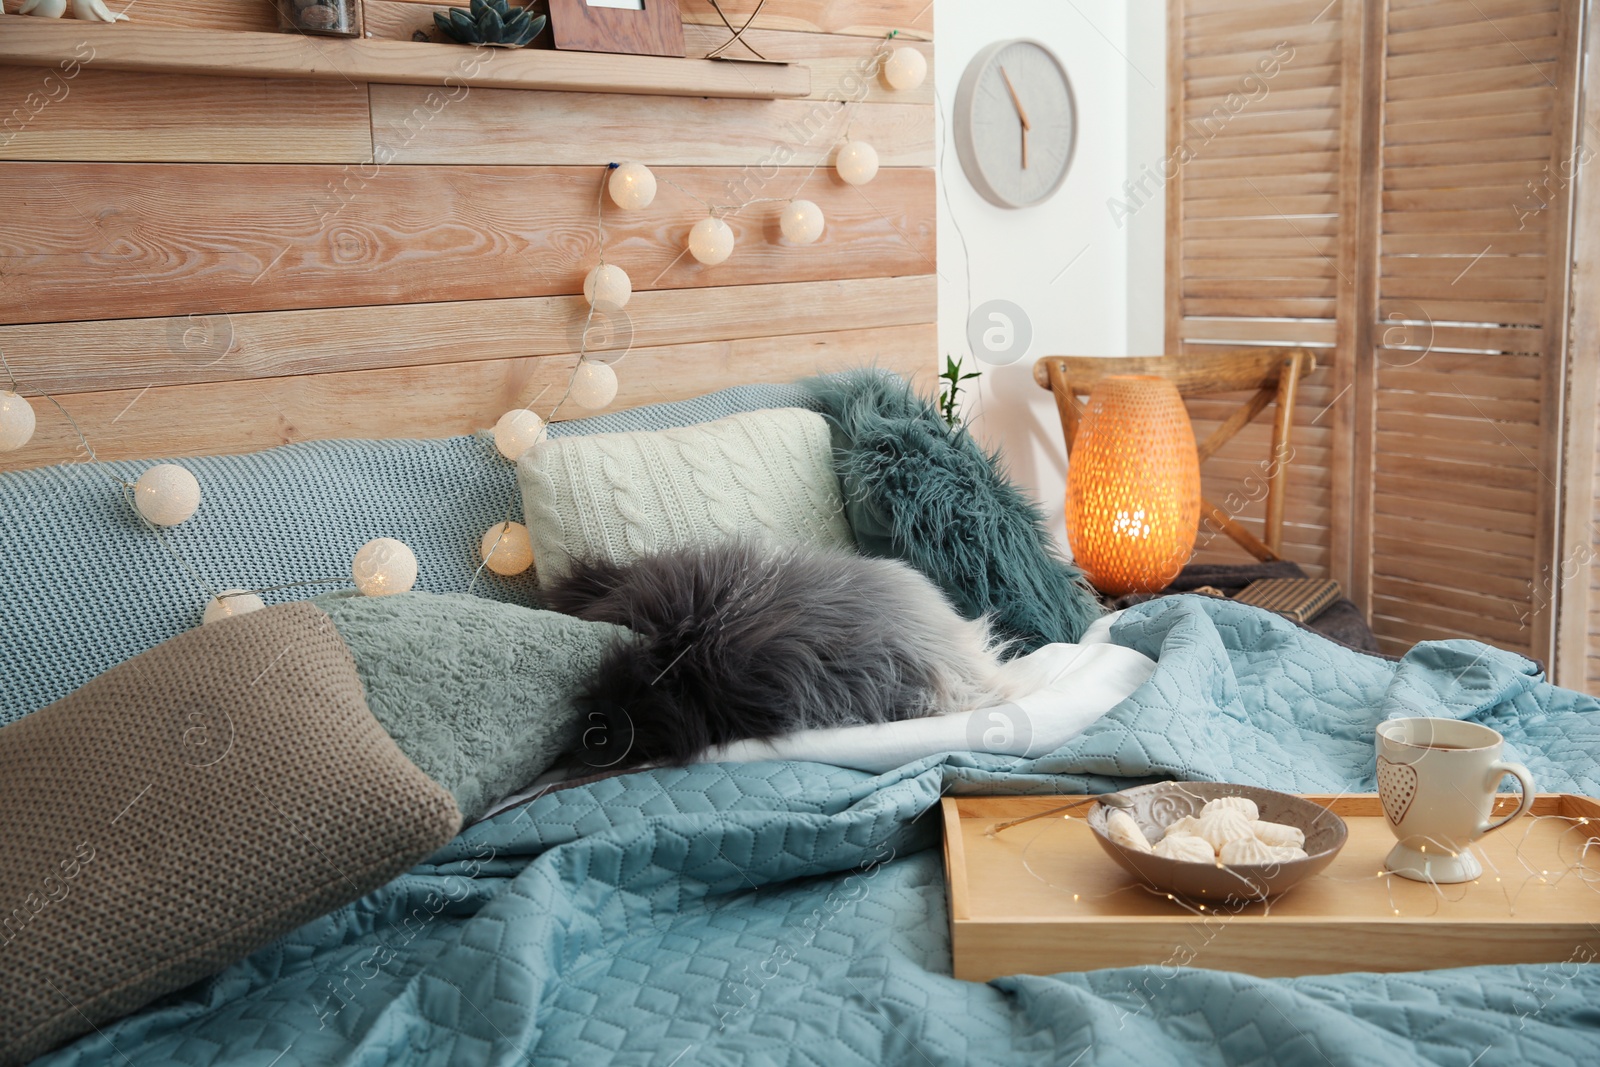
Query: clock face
pixel 1015 123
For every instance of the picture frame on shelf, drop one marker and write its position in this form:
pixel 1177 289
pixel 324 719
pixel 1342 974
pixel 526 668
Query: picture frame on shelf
pixel 632 27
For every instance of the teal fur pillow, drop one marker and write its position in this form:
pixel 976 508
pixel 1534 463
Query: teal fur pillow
pixel 478 694
pixel 619 497
pixel 919 491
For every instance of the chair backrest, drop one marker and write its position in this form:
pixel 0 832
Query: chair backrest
pixel 1274 374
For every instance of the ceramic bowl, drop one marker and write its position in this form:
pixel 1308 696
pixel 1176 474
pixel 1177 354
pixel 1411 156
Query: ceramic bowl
pixel 1154 807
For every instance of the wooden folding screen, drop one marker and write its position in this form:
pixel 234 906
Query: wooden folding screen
pixel 1399 193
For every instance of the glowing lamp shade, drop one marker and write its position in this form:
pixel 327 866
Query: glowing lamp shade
pixel 1133 486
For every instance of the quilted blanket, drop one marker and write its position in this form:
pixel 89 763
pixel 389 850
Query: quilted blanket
pixel 794 913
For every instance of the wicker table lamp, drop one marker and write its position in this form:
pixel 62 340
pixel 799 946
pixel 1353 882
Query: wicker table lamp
pixel 1133 499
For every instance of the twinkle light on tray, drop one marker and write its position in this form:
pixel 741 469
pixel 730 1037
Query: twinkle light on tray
pixel 1133 501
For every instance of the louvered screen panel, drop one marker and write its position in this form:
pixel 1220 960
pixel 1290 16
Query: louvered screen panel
pixel 1253 233
pixel 1469 235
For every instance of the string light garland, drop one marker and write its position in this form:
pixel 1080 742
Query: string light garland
pixel 905 69
pixel 232 603
pixel 17 421
pixel 711 241
pixel 384 567
pixel 168 494
pixel 507 548
pixel 516 432
pixel 632 186
pixel 856 163
pixel 801 222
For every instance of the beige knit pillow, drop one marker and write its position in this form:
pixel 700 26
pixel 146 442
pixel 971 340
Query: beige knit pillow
pixel 621 496
pixel 188 807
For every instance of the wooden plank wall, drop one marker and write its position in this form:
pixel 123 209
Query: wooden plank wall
pixel 209 265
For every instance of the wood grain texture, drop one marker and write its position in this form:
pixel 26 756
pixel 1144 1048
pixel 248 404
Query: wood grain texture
pixel 1016 917
pixel 45 42
pixel 870 18
pixel 121 116
pixel 438 400
pixel 82 357
pixel 504 126
pixel 179 240
pixel 842 66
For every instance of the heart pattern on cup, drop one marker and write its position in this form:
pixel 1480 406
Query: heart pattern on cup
pixel 1397 784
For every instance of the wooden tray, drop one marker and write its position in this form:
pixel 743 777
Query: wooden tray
pixel 1043 897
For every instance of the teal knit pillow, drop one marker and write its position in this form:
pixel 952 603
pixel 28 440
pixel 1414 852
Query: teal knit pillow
pixel 919 491
pixel 478 694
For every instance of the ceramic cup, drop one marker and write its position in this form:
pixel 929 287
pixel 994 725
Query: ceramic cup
pixel 1438 779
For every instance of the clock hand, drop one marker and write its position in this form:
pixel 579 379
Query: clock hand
pixel 1016 101
pixel 1022 113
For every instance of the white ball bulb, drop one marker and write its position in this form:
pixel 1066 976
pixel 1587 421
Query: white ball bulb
pixel 608 286
pixel 905 69
pixel 384 566
pixel 711 241
pixel 632 186
pixel 16 421
pixel 506 548
pixel 801 222
pixel 232 602
pixel 857 163
pixel 594 385
pixel 166 494
pixel 516 432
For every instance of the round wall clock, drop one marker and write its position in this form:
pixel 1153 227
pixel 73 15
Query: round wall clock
pixel 1015 123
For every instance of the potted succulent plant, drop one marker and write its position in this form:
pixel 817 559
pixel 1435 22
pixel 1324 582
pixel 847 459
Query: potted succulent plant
pixel 490 22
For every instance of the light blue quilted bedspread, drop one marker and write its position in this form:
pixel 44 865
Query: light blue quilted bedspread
pixel 795 913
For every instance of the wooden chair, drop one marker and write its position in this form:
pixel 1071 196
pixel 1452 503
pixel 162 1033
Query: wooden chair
pixel 1274 374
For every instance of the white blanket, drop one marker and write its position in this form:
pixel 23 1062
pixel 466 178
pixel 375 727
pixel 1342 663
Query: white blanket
pixel 1068 687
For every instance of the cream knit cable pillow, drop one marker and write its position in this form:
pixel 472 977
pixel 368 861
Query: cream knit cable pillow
pixel 622 496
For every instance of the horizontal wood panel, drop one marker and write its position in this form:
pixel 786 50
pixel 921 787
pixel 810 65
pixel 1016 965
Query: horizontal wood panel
pixel 77 357
pixel 842 66
pixel 1513 172
pixel 188 50
pixel 1254 331
pixel 1455 513
pixel 435 401
pixel 117 115
pixel 1412 618
pixel 509 126
pixel 178 240
pixel 1500 54
pixel 1527 76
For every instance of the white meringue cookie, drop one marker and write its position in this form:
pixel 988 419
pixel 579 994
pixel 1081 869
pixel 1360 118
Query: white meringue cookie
pixel 1280 835
pixel 1241 804
pixel 1249 851
pixel 1123 831
pixel 1186 825
pixel 1186 847
pixel 1224 825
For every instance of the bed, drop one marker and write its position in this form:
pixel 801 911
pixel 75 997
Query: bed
pixel 780 910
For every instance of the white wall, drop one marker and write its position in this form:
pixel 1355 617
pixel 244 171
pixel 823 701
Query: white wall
pixel 1089 285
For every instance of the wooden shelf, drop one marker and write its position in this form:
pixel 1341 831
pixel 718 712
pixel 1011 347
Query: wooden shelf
pixel 36 42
